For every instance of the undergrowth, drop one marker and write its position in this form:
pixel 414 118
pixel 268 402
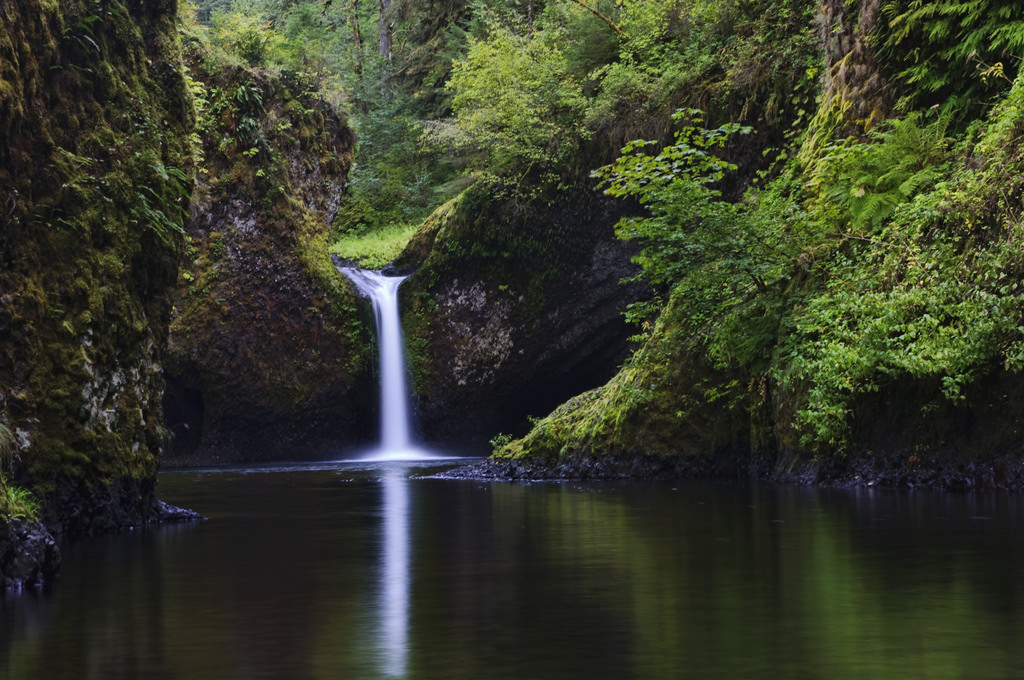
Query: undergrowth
pixel 15 502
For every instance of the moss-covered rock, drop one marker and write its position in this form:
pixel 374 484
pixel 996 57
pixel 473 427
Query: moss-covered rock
pixel 95 175
pixel 268 343
pixel 662 408
pixel 518 305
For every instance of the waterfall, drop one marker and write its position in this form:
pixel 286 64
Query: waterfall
pixel 395 420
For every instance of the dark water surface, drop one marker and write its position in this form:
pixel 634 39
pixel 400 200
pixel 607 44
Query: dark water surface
pixel 346 572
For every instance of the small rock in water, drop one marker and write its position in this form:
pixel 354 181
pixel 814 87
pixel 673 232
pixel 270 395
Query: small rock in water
pixel 165 512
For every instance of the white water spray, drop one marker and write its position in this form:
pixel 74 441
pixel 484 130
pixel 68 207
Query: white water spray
pixel 395 435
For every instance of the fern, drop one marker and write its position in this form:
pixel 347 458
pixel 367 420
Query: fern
pixel 944 49
pixel 871 178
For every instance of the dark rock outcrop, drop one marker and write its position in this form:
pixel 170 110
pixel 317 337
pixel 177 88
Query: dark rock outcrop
pixel 269 348
pixel 516 307
pixel 29 556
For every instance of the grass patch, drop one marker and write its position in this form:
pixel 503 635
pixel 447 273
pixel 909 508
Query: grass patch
pixel 16 501
pixel 376 248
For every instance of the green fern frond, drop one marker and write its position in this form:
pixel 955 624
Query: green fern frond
pixel 938 48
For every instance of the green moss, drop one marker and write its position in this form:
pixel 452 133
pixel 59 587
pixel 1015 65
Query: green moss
pixel 662 402
pixel 96 180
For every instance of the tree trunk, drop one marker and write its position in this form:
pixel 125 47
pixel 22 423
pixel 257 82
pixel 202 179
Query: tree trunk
pixel 385 29
pixel 357 38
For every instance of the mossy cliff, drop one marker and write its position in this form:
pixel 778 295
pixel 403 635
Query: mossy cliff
pixel 517 305
pixel 95 173
pixel 655 417
pixel 861 321
pixel 269 346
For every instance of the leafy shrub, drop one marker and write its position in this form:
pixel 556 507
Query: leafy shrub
pixel 517 106
pixel 249 36
pixel 688 226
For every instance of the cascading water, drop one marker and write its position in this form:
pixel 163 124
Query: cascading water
pixel 395 429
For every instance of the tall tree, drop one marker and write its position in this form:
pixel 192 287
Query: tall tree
pixel 357 39
pixel 385 29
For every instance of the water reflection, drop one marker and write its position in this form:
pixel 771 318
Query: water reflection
pixel 371 572
pixel 394 606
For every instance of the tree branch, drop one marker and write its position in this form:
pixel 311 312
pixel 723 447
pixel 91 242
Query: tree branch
pixel 611 24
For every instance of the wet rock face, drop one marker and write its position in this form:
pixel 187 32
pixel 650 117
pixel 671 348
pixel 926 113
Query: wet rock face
pixel 503 334
pixel 91 510
pixel 268 348
pixel 480 330
pixel 29 557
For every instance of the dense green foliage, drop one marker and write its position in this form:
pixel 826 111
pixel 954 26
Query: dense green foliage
pixel 859 263
pixel 953 54
pixel 534 93
pixel 855 235
pixel 931 292
pixel 395 181
pixel 518 107
pixel 690 232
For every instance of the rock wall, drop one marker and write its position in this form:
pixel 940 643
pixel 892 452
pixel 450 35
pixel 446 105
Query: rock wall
pixel 29 556
pixel 518 305
pixel 269 346
pixel 95 173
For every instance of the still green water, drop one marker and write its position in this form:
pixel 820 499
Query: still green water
pixel 370 571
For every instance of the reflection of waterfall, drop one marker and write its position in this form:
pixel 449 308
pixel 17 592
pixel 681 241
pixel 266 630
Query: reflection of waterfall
pixel 395 587
pixel 395 438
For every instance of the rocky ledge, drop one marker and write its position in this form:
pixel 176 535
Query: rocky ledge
pixel 894 471
pixel 29 556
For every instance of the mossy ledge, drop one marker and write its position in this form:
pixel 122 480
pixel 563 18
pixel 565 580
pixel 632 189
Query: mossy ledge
pixel 94 178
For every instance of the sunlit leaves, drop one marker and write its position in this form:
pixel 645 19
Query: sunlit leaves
pixel 517 106
pixel 722 260
pixel 249 36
